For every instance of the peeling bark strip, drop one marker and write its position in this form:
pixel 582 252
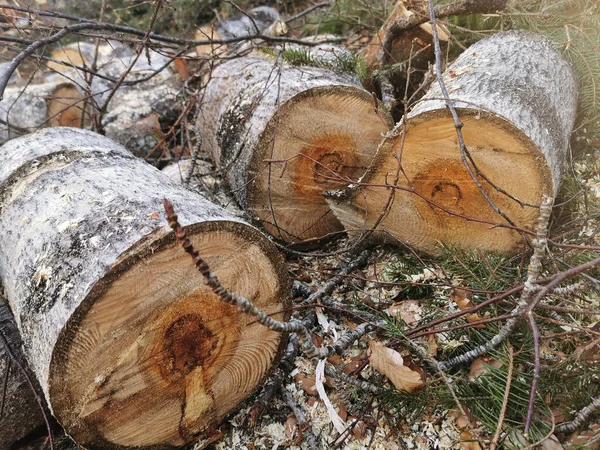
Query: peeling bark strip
pixel 516 98
pixel 130 347
pixel 51 104
pixel 283 134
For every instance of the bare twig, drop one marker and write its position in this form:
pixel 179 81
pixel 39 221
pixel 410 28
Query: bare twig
pixel 242 303
pixel 496 437
pixel 580 418
pixel 539 247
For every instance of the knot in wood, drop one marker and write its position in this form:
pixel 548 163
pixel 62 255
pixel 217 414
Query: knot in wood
pixel 189 344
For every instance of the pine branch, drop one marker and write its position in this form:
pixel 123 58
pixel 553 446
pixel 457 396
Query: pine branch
pixel 539 247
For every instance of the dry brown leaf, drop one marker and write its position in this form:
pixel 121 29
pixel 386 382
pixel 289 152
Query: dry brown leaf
pixel 468 442
pixel 588 351
pixel 463 421
pixel 580 438
pixel 291 425
pixel 306 383
pixel 353 364
pixel 390 363
pixel 462 298
pixel 551 444
pixel 359 430
pixel 408 310
pixel 479 366
pixel 432 347
pixel 342 411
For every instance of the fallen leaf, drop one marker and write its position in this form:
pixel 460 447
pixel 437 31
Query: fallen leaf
pixel 408 310
pixel 390 363
pixel 306 383
pixel 335 359
pixel 579 439
pixel 468 442
pixel 291 425
pixel 588 351
pixel 551 444
pixel 432 345
pixel 353 364
pixel 463 421
pixel 342 411
pixel 480 366
pixel 462 298
pixel 359 430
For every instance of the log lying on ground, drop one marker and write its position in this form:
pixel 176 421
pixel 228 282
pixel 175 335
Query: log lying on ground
pixel 414 44
pixel 129 345
pixel 25 109
pixel 138 112
pixel 516 98
pixel 20 414
pixel 262 19
pixel 284 134
pixel 82 53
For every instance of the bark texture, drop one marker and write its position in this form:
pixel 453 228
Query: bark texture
pixel 283 134
pixel 517 99
pixel 129 346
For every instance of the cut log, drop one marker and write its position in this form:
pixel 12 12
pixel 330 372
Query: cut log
pixel 282 135
pixel 262 19
pixel 137 114
pixel 129 345
pixel 20 415
pixel 50 104
pixel 77 54
pixel 516 98
pixel 82 54
pixel 414 44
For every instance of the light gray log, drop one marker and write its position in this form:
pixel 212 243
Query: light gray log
pixel 25 109
pixel 282 134
pixel 136 113
pixel 517 99
pixel 520 77
pixel 129 346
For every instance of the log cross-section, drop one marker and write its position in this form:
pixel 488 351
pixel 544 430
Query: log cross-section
pixel 283 134
pixel 131 348
pixel 516 98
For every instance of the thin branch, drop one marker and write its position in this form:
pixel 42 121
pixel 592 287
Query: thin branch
pixel 581 418
pixel 539 247
pixel 242 303
pixel 496 438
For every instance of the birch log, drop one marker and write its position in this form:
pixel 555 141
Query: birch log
pixel 25 109
pixel 282 135
pixel 260 20
pixel 414 44
pixel 517 100
pixel 130 347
